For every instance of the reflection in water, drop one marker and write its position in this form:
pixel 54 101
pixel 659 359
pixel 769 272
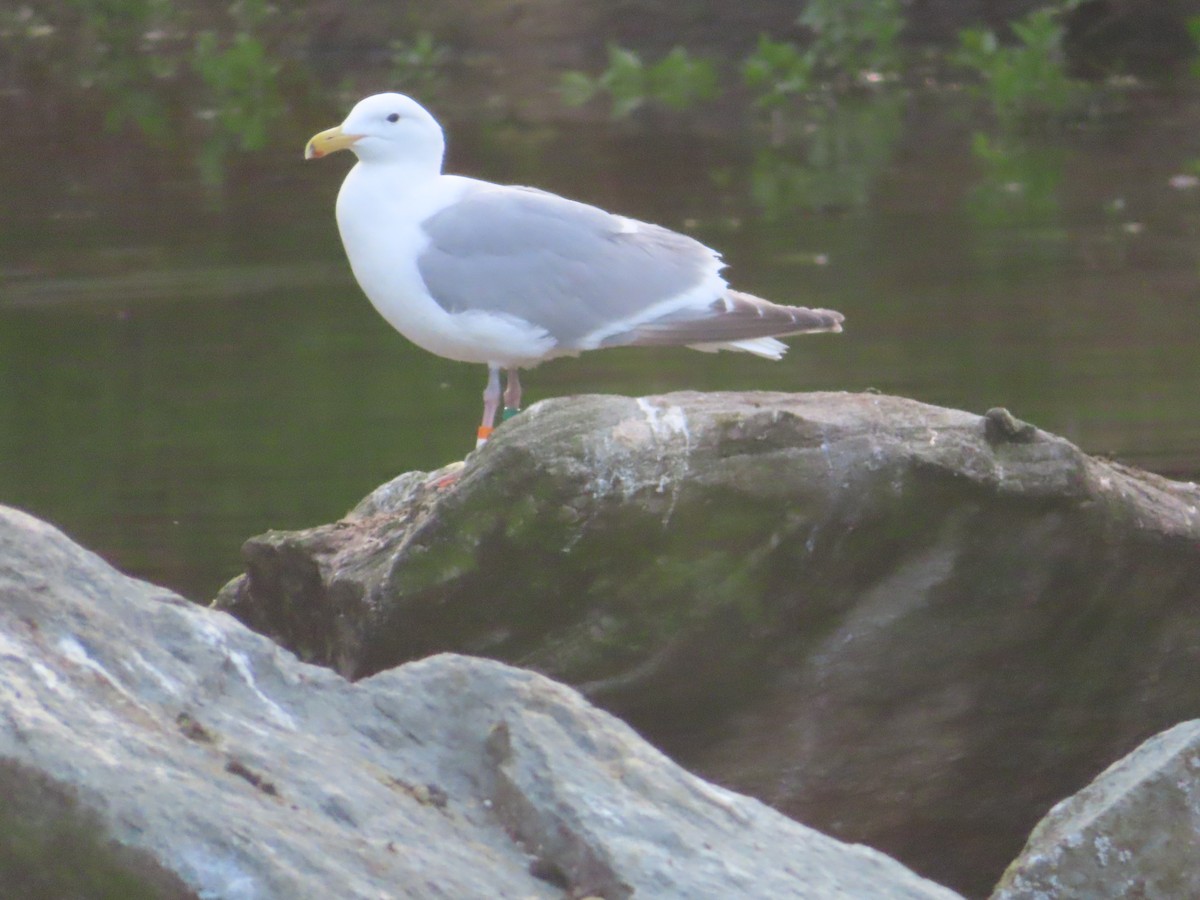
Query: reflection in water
pixel 206 82
pixel 1020 182
pixel 830 158
pixel 174 378
pixel 1018 192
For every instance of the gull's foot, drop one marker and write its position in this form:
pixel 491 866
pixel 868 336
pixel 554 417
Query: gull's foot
pixel 485 431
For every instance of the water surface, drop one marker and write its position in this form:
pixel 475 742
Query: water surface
pixel 181 369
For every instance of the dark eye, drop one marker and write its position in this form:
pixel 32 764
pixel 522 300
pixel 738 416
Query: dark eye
pixel 394 117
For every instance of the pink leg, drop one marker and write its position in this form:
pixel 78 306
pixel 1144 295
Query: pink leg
pixel 512 393
pixel 491 404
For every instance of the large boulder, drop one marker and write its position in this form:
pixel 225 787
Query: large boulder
pixel 195 758
pixel 911 626
pixel 1133 832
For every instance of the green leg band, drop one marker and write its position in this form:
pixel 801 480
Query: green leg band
pixel 508 413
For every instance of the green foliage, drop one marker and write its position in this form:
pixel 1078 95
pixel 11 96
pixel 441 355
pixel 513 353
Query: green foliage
pixel 149 67
pixel 241 79
pixel 677 81
pixel 122 53
pixel 777 70
pixel 626 79
pixel 853 36
pixel 851 41
pixel 841 144
pixel 1023 80
pixel 1024 83
pixel 826 150
pixel 577 88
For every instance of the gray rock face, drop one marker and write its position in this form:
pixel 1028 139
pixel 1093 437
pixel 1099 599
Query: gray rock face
pixel 909 626
pixel 1133 832
pixel 241 773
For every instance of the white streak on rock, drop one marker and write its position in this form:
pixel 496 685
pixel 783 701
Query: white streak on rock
pixel 278 713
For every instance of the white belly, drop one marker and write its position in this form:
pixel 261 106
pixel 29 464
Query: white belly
pixel 380 228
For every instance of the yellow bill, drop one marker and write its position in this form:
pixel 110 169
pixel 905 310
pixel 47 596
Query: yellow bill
pixel 329 141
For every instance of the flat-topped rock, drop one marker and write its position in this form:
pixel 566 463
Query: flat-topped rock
pixel 910 626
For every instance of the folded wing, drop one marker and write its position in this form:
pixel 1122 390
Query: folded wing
pixel 591 279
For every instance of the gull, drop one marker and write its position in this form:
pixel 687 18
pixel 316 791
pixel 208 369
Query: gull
pixel 511 276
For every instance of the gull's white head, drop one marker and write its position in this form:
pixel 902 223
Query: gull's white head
pixel 387 128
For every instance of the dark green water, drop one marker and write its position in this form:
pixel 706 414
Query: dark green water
pixel 178 372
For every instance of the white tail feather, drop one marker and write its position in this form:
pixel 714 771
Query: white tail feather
pixel 766 347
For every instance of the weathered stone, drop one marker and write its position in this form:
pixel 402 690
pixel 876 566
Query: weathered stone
pixel 1001 425
pixel 912 626
pixel 227 769
pixel 1133 832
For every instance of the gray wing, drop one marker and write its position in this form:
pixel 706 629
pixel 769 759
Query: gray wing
pixel 572 269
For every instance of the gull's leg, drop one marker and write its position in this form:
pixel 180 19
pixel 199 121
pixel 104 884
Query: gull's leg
pixel 512 393
pixel 491 403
